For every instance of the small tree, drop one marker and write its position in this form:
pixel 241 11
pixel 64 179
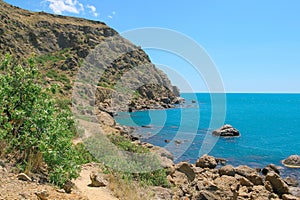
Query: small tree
pixel 31 124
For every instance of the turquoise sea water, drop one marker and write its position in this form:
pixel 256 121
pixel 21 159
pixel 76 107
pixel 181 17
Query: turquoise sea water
pixel 269 125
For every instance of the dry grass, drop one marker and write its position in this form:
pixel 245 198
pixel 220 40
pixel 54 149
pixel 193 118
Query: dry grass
pixel 127 190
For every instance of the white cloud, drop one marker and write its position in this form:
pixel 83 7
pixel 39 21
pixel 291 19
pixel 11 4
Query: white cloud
pixel 112 14
pixel 60 6
pixel 93 10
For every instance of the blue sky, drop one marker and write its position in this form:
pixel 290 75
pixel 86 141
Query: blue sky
pixel 255 45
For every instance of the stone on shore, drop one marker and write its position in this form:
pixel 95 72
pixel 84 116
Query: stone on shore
pixel 226 131
pixel 187 169
pixel 227 170
pixel 270 168
pixel 206 161
pixel 278 185
pixel 289 197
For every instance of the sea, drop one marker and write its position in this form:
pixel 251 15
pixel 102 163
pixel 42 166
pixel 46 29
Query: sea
pixel 269 125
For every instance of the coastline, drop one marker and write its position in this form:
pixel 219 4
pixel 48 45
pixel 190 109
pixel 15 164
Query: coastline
pixel 191 168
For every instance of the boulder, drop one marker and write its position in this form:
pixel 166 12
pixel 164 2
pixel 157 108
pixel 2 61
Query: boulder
pixel 206 161
pixel 227 170
pixel 106 119
pixel 289 197
pixel 245 182
pixel 227 187
pixel 292 161
pixel 243 192
pixel 295 191
pixel 187 169
pixel 206 195
pixel 244 170
pixel 97 181
pixel 291 181
pixel 226 131
pixel 270 168
pixel 278 185
pixel 255 179
pixel 178 178
pixel 259 193
pixel 161 193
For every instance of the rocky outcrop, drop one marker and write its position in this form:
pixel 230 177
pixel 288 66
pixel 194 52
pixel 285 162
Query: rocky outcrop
pixel 227 182
pixel 226 131
pixel 292 161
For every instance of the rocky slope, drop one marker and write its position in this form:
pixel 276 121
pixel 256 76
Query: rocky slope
pixel 61 44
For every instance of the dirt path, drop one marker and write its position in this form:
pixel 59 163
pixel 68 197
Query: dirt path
pixel 93 193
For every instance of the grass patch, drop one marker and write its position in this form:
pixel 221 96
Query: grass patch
pixel 130 161
pixel 125 144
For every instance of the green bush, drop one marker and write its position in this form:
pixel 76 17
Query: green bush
pixel 32 124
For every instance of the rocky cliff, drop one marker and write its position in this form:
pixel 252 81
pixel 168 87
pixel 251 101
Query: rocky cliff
pixel 63 44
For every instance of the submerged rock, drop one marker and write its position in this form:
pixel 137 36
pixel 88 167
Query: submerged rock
pixel 291 181
pixel 293 161
pixel 226 131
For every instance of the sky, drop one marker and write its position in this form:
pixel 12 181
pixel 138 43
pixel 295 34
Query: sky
pixel 254 45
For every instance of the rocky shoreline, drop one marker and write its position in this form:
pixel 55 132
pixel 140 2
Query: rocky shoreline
pixel 210 178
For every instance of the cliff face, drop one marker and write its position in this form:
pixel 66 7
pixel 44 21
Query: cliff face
pixel 63 44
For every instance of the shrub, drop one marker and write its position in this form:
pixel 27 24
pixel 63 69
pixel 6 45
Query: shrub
pixel 141 166
pixel 33 126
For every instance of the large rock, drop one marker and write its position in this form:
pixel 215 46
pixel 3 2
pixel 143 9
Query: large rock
pixel 278 185
pixel 206 161
pixel 227 170
pixel 227 187
pixel 244 170
pixel 260 193
pixel 270 168
pixel 226 131
pixel 179 178
pixel 292 161
pixel 206 195
pixel 106 119
pixel 187 169
pixel 291 181
pixel 289 197
pixel 97 181
pixel 250 174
